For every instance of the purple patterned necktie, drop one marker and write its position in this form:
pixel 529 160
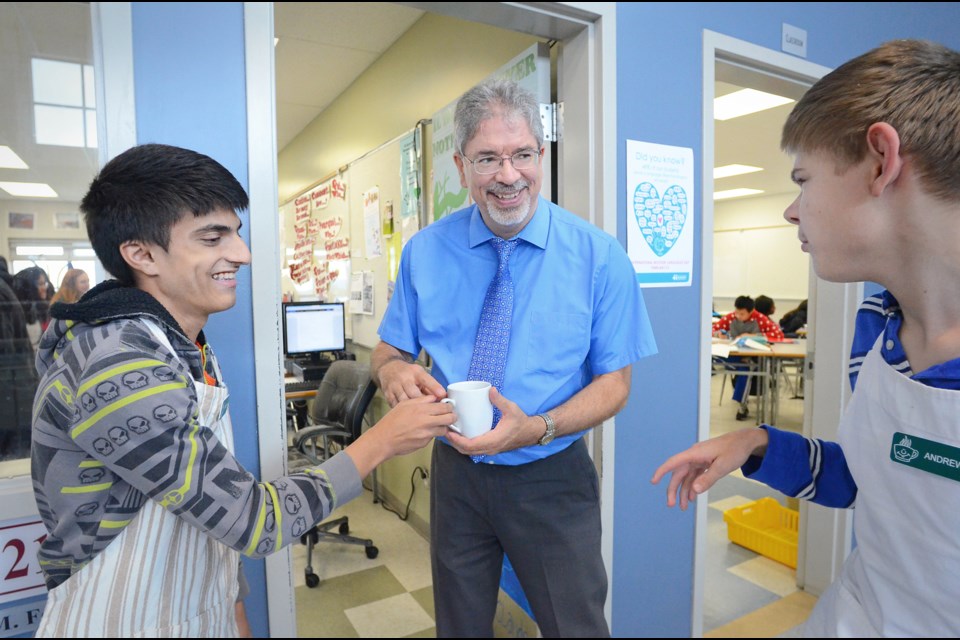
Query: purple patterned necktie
pixel 493 335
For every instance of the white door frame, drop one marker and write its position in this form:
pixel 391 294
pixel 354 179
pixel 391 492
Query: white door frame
pixel 824 533
pixel 590 29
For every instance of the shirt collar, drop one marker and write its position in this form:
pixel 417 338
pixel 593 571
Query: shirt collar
pixel 534 233
pixel 890 304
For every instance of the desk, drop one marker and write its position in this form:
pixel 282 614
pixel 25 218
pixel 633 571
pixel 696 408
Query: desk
pixel 770 363
pixel 297 401
pixel 299 395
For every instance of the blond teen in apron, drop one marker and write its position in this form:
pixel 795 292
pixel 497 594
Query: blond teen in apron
pixel 188 578
pixel 901 440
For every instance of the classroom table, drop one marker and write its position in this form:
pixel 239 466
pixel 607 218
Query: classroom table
pixel 297 402
pixel 771 363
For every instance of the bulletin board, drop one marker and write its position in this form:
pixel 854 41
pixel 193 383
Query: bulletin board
pixel 343 237
pixel 315 231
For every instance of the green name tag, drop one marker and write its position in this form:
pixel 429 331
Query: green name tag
pixel 926 455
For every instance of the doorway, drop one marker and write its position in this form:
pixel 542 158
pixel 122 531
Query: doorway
pixel 730 65
pixel 587 118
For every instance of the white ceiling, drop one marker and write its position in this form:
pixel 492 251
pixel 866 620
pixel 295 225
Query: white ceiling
pixel 322 49
pixel 58 31
pixel 753 140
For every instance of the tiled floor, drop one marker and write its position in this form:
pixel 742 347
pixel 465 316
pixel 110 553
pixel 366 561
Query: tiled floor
pixel 389 596
pixel 746 594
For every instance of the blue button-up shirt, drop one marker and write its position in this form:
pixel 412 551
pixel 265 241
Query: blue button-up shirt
pixel 578 311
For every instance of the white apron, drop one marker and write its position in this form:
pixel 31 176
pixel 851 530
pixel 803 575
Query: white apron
pixel 903 576
pixel 161 577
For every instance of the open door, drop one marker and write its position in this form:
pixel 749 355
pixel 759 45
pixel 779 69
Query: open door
pixel 833 309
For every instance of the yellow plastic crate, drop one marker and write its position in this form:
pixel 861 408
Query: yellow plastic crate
pixel 767 527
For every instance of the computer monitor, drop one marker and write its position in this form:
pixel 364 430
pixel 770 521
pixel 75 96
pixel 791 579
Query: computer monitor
pixel 313 329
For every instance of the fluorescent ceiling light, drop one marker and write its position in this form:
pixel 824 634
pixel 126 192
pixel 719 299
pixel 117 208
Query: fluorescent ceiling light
pixel 740 103
pixel 27 250
pixel 735 193
pixel 729 170
pixel 28 189
pixel 10 160
pixel 84 253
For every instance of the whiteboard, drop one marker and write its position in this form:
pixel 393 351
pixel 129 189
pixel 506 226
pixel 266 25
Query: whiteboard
pixel 379 168
pixel 763 260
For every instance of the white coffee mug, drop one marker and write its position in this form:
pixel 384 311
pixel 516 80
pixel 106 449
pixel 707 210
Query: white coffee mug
pixel 471 401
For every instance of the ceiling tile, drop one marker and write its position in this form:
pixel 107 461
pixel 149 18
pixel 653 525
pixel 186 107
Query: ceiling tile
pixel 365 26
pixel 315 74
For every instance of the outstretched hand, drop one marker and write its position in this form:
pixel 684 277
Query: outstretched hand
pixel 699 467
pixel 409 426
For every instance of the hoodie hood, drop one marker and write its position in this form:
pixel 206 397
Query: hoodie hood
pixel 110 300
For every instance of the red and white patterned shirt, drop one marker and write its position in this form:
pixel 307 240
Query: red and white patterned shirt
pixel 770 329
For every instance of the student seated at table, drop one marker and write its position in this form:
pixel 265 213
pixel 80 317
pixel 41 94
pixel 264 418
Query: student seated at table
pixel 744 320
pixel 765 305
pixel 794 320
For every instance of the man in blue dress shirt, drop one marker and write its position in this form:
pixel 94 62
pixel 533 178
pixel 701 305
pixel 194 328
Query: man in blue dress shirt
pixel 528 488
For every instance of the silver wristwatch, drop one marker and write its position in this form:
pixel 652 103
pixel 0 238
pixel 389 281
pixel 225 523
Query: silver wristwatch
pixel 551 429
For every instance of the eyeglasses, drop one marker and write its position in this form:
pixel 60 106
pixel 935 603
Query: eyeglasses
pixel 521 160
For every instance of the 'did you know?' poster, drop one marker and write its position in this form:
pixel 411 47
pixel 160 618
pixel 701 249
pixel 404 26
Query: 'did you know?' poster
pixel 660 213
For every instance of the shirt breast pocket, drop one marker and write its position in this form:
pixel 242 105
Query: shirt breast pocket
pixel 558 342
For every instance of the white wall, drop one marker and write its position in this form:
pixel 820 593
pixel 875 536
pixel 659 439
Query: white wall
pixel 755 253
pixel 43 224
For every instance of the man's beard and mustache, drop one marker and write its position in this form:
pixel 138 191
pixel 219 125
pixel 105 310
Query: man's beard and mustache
pixel 512 216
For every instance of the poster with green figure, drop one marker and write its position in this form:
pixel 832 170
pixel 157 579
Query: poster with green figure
pixel 447 200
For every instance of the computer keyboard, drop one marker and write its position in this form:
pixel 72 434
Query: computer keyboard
pixel 301 385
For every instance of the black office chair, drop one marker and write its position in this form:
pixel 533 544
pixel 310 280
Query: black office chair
pixel 335 418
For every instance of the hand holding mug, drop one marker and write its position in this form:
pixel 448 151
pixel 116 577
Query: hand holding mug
pixel 471 402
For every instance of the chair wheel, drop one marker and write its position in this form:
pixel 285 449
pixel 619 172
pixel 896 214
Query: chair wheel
pixel 344 528
pixel 312 580
pixel 371 551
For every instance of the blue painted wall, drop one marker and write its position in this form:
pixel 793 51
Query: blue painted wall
pixel 190 90
pixel 659 99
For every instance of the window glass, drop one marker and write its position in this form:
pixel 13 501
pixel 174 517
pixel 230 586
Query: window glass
pixel 57 82
pixel 48 124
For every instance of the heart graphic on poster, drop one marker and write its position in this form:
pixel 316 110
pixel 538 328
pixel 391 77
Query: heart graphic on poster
pixel 660 219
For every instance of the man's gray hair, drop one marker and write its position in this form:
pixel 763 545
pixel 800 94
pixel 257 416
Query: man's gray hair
pixel 484 100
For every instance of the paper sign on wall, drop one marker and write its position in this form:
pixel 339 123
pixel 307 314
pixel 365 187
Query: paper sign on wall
pixel 660 213
pixel 371 222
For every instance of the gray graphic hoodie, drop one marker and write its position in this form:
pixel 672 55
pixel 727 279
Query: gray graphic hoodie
pixel 115 424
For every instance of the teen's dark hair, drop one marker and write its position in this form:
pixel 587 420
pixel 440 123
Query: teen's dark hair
pixel 764 304
pixel 27 289
pixel 743 302
pixel 140 194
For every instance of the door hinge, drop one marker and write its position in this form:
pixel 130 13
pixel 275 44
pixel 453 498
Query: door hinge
pixel 551 116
